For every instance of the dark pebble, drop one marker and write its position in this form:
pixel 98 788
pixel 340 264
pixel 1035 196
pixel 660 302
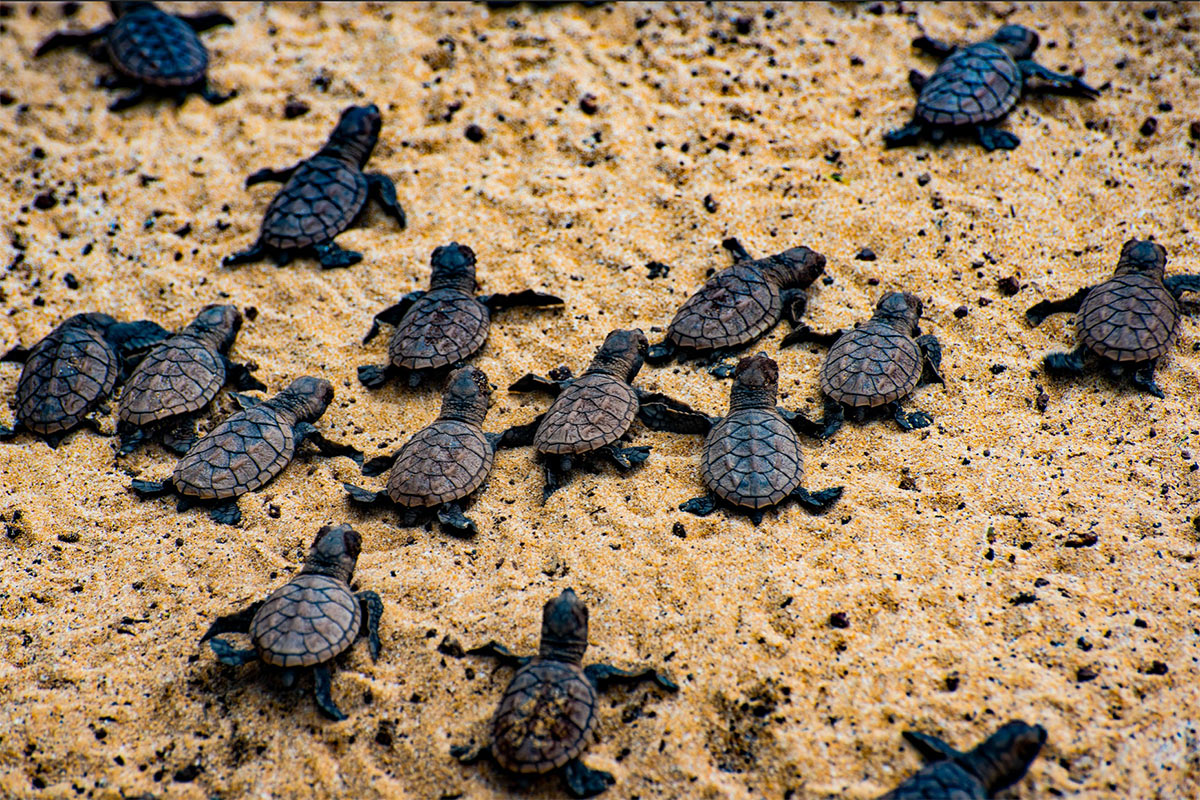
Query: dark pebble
pixel 866 254
pixel 6 99
pixel 961 312
pixel 923 179
pixel 45 201
pixel 295 108
pixel 1164 107
pixel 996 369
pixel 1149 126
pixel 1009 286
pixel 1156 668
pixel 71 281
pixel 1193 129
pixel 274 511
pixel 588 104
pixel 678 530
pixel 872 281
pixel 710 205
pixel 984 302
pixel 658 269
pixel 1085 674
pixel 743 25
pixel 449 646
pixel 838 619
pixel 474 133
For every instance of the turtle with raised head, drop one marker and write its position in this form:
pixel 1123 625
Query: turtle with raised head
pixel 999 762
pixel 248 449
pixel 739 305
pixel 1128 322
pixel 71 371
pixel 323 196
pixel 874 366
pixel 547 716
pixel 310 620
pixel 180 376
pixel 441 327
pixel 153 52
pixel 752 459
pixel 976 86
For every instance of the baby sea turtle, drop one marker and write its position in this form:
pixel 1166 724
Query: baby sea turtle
pixel 1129 321
pixel 740 304
pixel 1002 760
pixel 73 370
pixel 249 449
pixel 310 620
pixel 592 414
pixel 179 377
pixel 547 717
pixel 752 459
pixel 441 327
pixel 152 51
pixel 976 86
pixel 876 365
pixel 323 196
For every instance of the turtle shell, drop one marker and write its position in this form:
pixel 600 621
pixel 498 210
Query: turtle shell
pixel 593 411
pixel 157 48
pixel 871 366
pixel 442 463
pixel 734 307
pixel 546 717
pixel 976 84
pixel 307 621
pixel 320 201
pixel 945 780
pixel 1130 317
pixel 238 456
pixel 179 376
pixel 67 374
pixel 444 327
pixel 752 459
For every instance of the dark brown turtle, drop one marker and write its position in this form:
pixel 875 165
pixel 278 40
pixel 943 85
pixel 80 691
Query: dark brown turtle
pixel 310 620
pixel 1129 321
pixel 976 86
pixel 592 414
pixel 739 305
pixel 153 52
pixel 547 717
pixel 999 762
pixel 70 372
pixel 448 324
pixel 178 378
pixel 248 449
pixel 876 365
pixel 752 459
pixel 323 196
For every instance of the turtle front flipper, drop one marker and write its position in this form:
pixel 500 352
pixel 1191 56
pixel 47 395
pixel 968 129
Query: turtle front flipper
pixel 602 676
pixel 1058 80
pixel 660 353
pixel 226 513
pixel 372 610
pixel 266 174
pixel 1178 284
pixel 911 133
pixel 71 39
pixel 700 506
pixel 910 421
pixel 392 314
pixel 917 80
pixel 323 692
pixel 180 437
pixel 16 355
pixel 228 654
pixel 736 250
pixel 501 653
pixel 131 438
pixel 536 383
pixel 203 22
pixel 993 138
pixel 379 464
pixel 819 501
pixel 582 781
pixel 307 432
pixel 241 378
pixel 1036 313
pixel 465 754
pixel 383 189
pixel 557 470
pixel 333 257
pixel 526 297
pixel 244 401
pixel 133 340
pixel 454 522
pixel 237 622
pixel 934 47
pixel 7 433
pixel 518 435
pixel 931 748
pixel 661 413
pixel 802 424
pixel 931 348
pixel 804 333
pixel 794 302
pixel 373 376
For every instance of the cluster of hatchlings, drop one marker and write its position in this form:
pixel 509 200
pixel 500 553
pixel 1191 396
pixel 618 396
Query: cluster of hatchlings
pixel 751 458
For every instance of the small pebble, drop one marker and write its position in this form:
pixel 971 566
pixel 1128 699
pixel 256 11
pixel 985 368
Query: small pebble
pixel 866 254
pixel 588 104
pixel 474 133
pixel 710 205
pixel 961 312
pixel 1193 129
pixel 1085 674
pixel 1149 126
pixel 923 179
pixel 71 281
pixel 838 619
pixel 45 201
pixel 295 108
pixel 1009 286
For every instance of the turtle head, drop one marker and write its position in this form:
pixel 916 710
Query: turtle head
pixel 1016 40
pixel 307 396
pixel 621 355
pixel 467 395
pixel 453 268
pixel 755 383
pixel 1006 755
pixel 795 268
pixel 119 9
pixel 218 325
pixel 355 135
pixel 334 552
pixel 1142 256
pixel 901 310
pixel 564 628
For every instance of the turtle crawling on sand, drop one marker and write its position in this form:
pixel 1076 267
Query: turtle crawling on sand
pixel 547 716
pixel 997 763
pixel 310 620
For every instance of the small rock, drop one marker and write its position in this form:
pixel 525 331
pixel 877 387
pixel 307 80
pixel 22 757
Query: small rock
pixel 678 530
pixel 658 269
pixel 1149 127
pixel 1009 286
pixel 474 133
pixel 1086 673
pixel 838 619
pixel 71 281
pixel 1043 400
pixel 866 254
pixel 961 312
pixel 984 302
pixel 45 201
pixel 743 25
pixel 710 205
pixel 449 646
pixel 1155 668
pixel 70 537
pixel 589 104
pixel 274 511
pixel 872 281
pixel 1193 129
pixel 295 108
pixel 996 369
pixel 923 179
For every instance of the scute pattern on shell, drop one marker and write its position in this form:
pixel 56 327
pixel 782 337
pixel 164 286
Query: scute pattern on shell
pixel 66 375
pixel 179 376
pixel 307 621
pixel 593 411
pixel 1129 317
pixel 441 463
pixel 443 327
pixel 318 202
pixel 871 366
pixel 238 456
pixel 945 780
pixel 980 83
pixel 157 49
pixel 545 719
pixel 735 306
pixel 752 459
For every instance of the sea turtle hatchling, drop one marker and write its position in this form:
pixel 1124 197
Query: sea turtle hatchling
pixel 71 371
pixel 248 449
pixel 999 762
pixel 976 86
pixel 443 326
pixel 547 716
pixel 876 365
pixel 310 620
pixel 1129 321
pixel 152 51
pixel 180 376
pixel 738 305
pixel 752 459
pixel 323 196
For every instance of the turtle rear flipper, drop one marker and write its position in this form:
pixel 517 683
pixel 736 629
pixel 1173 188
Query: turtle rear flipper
pixel 1059 81
pixel 931 748
pixel 1065 363
pixel 269 175
pixel 583 781
pixel 331 256
pixel 536 383
pixel 323 692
